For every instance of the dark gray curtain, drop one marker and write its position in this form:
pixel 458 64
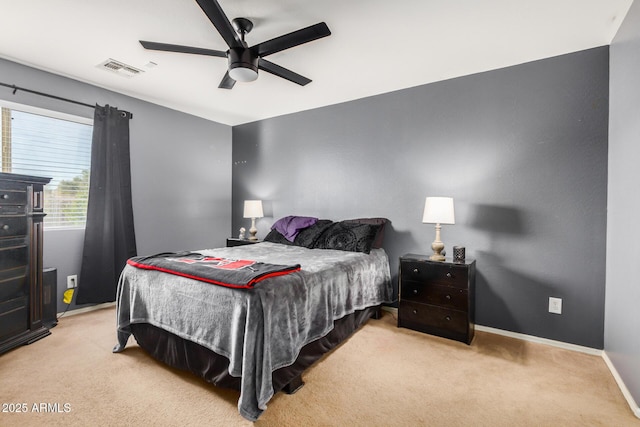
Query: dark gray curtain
pixel 109 238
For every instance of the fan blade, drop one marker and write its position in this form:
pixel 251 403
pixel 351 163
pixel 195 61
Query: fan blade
pixel 182 49
pixel 290 40
pixel 279 71
pixel 216 15
pixel 227 82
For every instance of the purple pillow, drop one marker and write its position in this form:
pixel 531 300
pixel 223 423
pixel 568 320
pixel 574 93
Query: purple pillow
pixel 290 226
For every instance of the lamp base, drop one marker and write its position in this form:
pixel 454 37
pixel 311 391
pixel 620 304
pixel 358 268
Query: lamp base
pixel 437 246
pixel 253 230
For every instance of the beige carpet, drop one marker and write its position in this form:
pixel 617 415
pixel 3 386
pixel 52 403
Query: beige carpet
pixel 382 376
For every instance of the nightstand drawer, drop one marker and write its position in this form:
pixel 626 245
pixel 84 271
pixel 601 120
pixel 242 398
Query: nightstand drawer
pixel 444 296
pixel 231 242
pixel 444 274
pixel 416 315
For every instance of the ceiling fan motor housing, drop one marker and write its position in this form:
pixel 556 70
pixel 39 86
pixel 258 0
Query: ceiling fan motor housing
pixel 243 63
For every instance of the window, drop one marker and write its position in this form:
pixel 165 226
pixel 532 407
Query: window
pixel 58 146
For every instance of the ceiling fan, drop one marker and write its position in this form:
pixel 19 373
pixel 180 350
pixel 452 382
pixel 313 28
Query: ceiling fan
pixel 244 61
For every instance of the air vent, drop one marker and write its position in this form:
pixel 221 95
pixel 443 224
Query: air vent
pixel 120 68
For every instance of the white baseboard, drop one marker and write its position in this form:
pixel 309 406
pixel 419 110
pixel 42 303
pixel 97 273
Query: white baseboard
pixel 531 338
pixel 87 309
pixel 625 391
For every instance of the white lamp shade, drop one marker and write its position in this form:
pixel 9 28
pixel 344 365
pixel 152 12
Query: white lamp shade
pixel 253 209
pixel 438 210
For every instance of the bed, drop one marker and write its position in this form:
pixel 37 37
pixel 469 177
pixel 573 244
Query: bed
pixel 260 339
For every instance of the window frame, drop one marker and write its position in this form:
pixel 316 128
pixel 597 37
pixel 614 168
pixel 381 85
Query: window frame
pixel 55 115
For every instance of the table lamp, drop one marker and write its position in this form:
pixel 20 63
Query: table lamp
pixel 253 210
pixel 438 210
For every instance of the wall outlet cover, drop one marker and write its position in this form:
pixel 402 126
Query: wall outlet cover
pixel 72 281
pixel 555 305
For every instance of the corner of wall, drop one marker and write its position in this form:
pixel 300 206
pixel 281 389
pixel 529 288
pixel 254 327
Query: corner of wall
pixel 625 391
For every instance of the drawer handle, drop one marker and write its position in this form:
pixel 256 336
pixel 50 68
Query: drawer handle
pixel 448 297
pixel 449 275
pixel 447 318
pixel 5 227
pixel 415 311
pixel 416 271
pixel 415 292
pixel 5 196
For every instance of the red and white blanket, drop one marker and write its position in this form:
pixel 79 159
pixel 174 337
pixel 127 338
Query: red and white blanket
pixel 232 273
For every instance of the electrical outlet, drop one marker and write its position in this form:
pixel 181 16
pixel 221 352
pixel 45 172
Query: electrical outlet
pixel 555 305
pixel 72 281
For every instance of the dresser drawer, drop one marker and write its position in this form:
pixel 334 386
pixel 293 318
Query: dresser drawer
pixel 444 274
pixel 12 257
pixel 13 283
pixel 444 296
pixel 13 196
pixel 12 209
pixel 13 226
pixel 415 314
pixel 14 317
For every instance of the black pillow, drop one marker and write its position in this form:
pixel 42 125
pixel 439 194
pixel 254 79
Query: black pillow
pixel 274 236
pixel 348 236
pixel 309 236
pixel 377 243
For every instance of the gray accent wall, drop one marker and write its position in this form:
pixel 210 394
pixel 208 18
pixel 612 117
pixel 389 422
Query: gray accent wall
pixel 523 152
pixel 622 321
pixel 180 167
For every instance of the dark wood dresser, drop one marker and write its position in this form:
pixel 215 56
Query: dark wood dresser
pixel 21 299
pixel 437 297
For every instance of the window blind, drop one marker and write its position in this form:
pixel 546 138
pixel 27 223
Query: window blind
pixel 41 145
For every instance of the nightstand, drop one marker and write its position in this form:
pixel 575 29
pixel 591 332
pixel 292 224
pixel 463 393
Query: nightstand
pixel 232 241
pixel 437 297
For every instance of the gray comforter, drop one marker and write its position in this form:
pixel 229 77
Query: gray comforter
pixel 261 329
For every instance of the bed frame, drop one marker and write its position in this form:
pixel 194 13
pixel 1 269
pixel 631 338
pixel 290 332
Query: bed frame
pixel 186 355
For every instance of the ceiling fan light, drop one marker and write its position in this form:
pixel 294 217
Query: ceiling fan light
pixel 243 74
pixel 243 65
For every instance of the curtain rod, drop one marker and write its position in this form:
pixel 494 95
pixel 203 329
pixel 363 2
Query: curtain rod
pixel 17 88
pixel 59 98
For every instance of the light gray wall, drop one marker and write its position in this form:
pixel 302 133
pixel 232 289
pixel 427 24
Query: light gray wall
pixel 180 168
pixel 523 151
pixel 622 340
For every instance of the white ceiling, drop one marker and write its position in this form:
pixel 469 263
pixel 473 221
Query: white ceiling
pixel 376 46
